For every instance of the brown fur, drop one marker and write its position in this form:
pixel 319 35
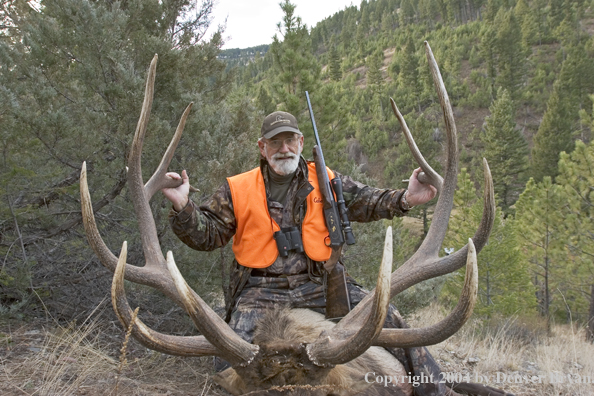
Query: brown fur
pixel 283 368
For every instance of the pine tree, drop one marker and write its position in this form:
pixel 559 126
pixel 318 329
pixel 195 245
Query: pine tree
pixel 295 68
pixel 348 32
pixel 387 23
pixel 374 74
pixel 504 280
pixel 521 11
pixel 556 14
pixel 505 149
pixel 407 12
pixel 569 30
pixel 511 54
pixel 488 51
pixel 361 41
pixel 531 33
pixel 74 78
pixel 493 7
pixel 399 160
pixel 576 78
pixel 334 62
pixel 265 101
pixel 526 19
pixel 409 75
pixel 428 11
pixel 537 223
pixel 576 178
pixel 554 136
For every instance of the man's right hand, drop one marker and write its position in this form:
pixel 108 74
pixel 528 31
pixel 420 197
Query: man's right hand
pixel 178 196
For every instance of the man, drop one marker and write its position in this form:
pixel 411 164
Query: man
pixel 253 206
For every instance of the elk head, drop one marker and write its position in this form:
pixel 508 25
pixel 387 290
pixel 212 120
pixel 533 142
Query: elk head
pixel 317 358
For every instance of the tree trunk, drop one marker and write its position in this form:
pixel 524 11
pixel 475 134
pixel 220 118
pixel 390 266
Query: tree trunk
pixel 590 324
pixel 425 221
pixel 488 281
pixel 547 297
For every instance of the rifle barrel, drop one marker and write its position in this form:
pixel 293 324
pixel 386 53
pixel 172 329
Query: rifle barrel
pixel 313 123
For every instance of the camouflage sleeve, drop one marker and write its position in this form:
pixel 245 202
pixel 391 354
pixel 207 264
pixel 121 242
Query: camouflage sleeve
pixel 208 226
pixel 366 203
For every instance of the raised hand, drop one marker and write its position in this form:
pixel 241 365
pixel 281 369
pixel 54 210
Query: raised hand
pixel 178 196
pixel 419 193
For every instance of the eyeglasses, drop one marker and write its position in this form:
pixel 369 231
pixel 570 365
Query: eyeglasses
pixel 278 143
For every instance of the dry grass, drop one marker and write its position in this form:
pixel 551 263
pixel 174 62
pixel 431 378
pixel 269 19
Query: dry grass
pixel 517 356
pixel 60 363
pixel 83 360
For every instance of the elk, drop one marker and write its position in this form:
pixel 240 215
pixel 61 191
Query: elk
pixel 300 352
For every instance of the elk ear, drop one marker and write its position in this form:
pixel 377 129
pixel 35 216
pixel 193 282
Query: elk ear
pixel 231 381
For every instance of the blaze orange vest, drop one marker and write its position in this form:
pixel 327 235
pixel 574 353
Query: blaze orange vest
pixel 253 244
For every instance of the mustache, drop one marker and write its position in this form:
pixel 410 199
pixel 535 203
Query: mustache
pixel 284 155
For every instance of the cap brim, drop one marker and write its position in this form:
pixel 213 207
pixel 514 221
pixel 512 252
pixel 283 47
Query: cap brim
pixel 281 129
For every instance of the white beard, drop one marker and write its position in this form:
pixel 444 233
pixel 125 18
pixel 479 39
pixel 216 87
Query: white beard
pixel 284 167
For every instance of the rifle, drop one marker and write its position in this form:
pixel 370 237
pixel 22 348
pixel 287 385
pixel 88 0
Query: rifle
pixel 335 214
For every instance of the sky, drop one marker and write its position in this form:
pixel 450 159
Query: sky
pixel 253 22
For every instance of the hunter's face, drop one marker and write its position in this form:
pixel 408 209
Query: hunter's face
pixel 282 152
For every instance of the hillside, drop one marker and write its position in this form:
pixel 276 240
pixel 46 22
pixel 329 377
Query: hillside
pixel 520 78
pixel 376 53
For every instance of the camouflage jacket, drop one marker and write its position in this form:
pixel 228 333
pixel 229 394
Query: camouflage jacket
pixel 212 224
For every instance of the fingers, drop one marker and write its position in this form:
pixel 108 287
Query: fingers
pixel 174 175
pixel 419 193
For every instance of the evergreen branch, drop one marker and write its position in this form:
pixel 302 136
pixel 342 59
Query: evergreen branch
pixel 68 225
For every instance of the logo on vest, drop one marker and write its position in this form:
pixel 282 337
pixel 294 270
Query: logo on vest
pixel 317 200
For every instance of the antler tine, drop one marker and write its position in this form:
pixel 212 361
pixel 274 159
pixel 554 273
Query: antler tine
pixel 406 338
pixel 171 345
pixel 429 176
pixel 339 348
pixel 158 180
pixel 481 236
pixel 441 216
pixel 146 223
pixel 232 347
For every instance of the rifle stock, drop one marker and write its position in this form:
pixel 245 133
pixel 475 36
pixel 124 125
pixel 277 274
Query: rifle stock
pixel 338 302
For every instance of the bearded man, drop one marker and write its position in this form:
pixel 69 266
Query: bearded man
pixel 276 197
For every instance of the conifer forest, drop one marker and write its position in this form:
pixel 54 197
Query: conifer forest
pixel 520 75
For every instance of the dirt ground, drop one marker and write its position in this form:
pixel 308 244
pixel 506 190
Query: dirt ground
pixel 45 359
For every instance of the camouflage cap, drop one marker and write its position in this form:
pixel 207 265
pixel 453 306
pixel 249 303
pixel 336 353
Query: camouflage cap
pixel 277 122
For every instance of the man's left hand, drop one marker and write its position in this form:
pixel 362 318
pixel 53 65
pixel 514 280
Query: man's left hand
pixel 419 193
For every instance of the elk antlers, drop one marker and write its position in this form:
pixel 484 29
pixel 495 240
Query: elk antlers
pixel 425 263
pixel 360 329
pixel 218 339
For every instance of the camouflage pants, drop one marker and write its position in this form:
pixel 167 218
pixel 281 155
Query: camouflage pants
pixel 262 294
